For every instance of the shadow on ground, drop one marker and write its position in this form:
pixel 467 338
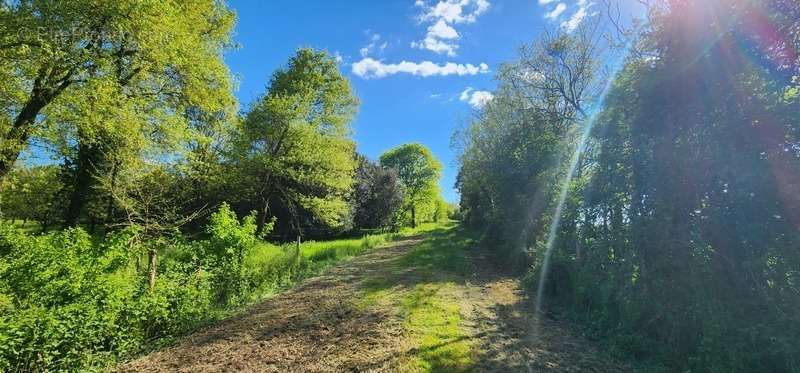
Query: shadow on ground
pixel 431 303
pixel 514 339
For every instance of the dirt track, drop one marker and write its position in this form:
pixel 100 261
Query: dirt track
pixel 321 326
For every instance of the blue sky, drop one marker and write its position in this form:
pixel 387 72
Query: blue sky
pixel 418 67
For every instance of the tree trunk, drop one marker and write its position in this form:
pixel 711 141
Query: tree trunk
pixel 297 254
pixel 413 216
pixel 153 268
pixel 262 217
pixel 81 187
pixel 17 138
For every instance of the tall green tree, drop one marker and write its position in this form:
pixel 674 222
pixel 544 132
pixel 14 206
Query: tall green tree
pixel 513 153
pixel 419 171
pixel 295 146
pixel 91 65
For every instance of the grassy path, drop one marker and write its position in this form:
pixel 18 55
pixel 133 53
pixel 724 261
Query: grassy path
pixel 426 303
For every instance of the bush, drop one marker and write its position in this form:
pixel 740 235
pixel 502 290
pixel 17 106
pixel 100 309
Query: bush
pixel 64 300
pixel 228 244
pixel 70 301
pixel 71 304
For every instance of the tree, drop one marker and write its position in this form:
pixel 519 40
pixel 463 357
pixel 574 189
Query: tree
pixel 86 66
pixel 696 140
pixel 515 150
pixel 558 73
pixel 151 200
pixel 294 144
pixel 418 170
pixel 33 194
pixel 377 195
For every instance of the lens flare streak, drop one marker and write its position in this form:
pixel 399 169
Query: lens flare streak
pixel 573 166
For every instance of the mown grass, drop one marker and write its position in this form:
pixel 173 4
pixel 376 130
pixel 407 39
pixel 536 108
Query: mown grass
pixel 433 318
pixel 272 268
pixel 421 285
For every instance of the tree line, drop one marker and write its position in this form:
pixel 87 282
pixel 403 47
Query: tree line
pixel 154 208
pixel 135 105
pixel 679 231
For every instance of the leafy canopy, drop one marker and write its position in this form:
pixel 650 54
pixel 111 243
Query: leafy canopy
pixel 295 143
pixel 128 69
pixel 419 172
pixel 417 168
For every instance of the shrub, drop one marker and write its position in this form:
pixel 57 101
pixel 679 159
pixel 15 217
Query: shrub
pixel 71 304
pixel 228 244
pixel 64 299
pixel 70 301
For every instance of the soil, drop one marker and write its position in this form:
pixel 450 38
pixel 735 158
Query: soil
pixel 320 326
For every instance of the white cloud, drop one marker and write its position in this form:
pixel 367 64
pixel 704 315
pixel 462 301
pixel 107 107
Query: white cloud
pixel 370 68
pixel 338 57
pixel 436 45
pixel 440 39
pixel 454 11
pixel 373 43
pixel 442 30
pixel 465 95
pixel 553 14
pixel 476 99
pixel 576 19
pixel 441 36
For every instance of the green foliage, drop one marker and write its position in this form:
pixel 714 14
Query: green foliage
pixel 114 72
pixel 69 301
pixel 229 237
pixel 677 243
pixel 294 146
pixel 508 167
pixel 32 194
pixel 419 172
pixel 228 244
pixel 377 196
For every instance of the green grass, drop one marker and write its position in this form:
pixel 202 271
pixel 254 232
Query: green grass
pixel 273 268
pixel 433 318
pixel 340 249
pixel 428 300
pixel 329 252
pixel 27 227
pixel 432 311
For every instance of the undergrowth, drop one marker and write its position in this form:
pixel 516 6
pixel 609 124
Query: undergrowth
pixel 73 302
